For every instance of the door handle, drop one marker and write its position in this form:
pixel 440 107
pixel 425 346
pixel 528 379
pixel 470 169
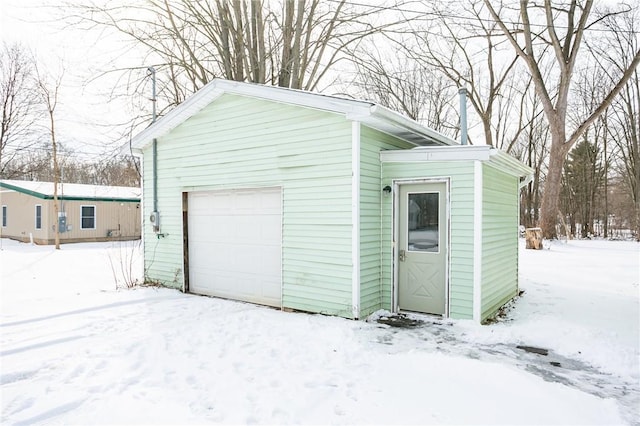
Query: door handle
pixel 402 255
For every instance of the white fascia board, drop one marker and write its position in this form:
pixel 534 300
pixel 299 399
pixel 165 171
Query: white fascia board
pixel 496 158
pixel 127 149
pixel 405 123
pixel 437 153
pixel 176 116
pixel 508 164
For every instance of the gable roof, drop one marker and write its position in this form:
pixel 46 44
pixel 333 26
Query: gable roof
pixel 371 114
pixel 73 191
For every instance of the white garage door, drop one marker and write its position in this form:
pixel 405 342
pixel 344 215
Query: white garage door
pixel 235 244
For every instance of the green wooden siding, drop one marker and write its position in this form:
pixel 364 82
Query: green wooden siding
pixel 461 174
pixel 240 142
pixel 372 142
pixel 499 239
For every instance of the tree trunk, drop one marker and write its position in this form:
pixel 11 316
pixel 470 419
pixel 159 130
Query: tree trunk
pixel 572 224
pixel 56 179
pixel 284 80
pixel 549 207
pixel 488 131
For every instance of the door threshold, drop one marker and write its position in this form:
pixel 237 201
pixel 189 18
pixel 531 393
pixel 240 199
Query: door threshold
pixel 422 315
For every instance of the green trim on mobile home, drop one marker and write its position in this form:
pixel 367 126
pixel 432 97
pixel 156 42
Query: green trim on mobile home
pixel 63 197
pixel 33 216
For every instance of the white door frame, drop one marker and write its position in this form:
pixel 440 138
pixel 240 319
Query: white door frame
pixel 395 217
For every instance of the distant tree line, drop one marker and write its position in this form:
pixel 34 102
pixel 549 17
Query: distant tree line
pixel 28 147
pixel 554 83
pixel 36 164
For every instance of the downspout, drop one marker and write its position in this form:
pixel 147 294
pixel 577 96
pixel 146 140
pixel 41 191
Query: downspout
pixel 155 174
pixel 463 115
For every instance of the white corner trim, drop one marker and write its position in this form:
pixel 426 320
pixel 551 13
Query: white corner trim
pixel 355 219
pixel 477 241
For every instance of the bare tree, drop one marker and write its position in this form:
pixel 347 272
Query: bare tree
pixel 290 43
pixel 18 102
pixel 585 171
pixel 118 171
pixel 49 91
pixel 532 148
pixel 458 42
pixel 564 31
pixel 406 87
pixel 623 119
pixel 33 163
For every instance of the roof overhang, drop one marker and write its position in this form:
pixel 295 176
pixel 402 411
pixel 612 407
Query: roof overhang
pixel 368 113
pixel 485 153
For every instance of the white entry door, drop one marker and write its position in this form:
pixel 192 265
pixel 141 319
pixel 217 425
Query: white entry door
pixel 235 244
pixel 422 248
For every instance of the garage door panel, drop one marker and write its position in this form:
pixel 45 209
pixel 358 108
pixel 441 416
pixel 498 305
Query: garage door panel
pixel 235 244
pixel 270 261
pixel 222 281
pixel 247 229
pixel 241 286
pixel 247 201
pixel 198 202
pixel 272 289
pixel 209 254
pixel 271 204
pixel 220 202
pixel 222 228
pixel 271 229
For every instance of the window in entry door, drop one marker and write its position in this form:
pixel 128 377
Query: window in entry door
pixel 422 223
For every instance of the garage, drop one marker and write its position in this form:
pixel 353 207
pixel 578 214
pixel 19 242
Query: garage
pixel 235 244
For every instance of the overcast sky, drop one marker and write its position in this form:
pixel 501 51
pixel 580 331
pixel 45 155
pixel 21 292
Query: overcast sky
pixel 83 117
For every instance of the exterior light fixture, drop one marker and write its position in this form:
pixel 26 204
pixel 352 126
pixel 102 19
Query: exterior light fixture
pixel 386 191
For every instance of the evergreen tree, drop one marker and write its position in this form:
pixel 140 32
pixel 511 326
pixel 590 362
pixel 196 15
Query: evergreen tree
pixel 583 181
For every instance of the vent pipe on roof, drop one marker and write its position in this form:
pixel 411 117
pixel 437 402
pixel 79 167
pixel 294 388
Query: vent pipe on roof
pixel 463 115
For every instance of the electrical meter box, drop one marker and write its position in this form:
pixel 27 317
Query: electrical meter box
pixel 62 222
pixel 154 218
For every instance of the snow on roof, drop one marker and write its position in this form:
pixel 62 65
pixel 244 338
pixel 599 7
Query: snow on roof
pixel 73 190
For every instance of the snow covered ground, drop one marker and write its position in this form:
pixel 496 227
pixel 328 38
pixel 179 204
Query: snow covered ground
pixel 76 350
